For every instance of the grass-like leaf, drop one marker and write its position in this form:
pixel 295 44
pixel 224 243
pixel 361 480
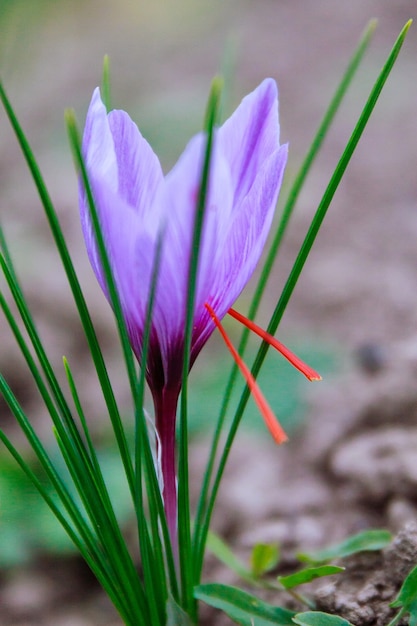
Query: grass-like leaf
pixel 406 599
pixel 152 557
pixel 307 575
pixel 175 615
pixel 264 558
pixel 295 274
pixel 105 84
pixel 184 522
pixel 67 263
pixel 373 539
pixel 317 618
pixel 221 551
pixel 106 553
pixel 74 523
pixel 78 295
pixel 408 592
pixel 243 608
pixel 200 528
pixel 155 556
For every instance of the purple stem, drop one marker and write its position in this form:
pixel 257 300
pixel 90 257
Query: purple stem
pixel 165 413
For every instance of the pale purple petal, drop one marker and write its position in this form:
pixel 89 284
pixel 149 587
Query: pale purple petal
pixel 98 145
pixel 250 136
pixel 120 227
pixel 243 246
pixel 249 231
pixel 100 159
pixel 139 169
pixel 125 174
pixel 180 197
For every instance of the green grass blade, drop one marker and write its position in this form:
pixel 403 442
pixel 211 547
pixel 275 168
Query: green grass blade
pixel 124 339
pixel 87 541
pixel 184 523
pixel 143 456
pixel 79 299
pixel 81 469
pixel 330 191
pixel 75 142
pixel 269 262
pixel 46 397
pixel 61 415
pixel 86 477
pixel 105 83
pixel 305 167
pixel 299 264
pixel 84 315
pixel 103 577
pixel 108 532
pixel 152 554
pixel 59 412
pixel 4 249
pixel 98 496
pixel 90 446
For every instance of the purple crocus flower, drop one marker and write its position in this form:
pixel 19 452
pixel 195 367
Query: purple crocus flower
pixel 135 201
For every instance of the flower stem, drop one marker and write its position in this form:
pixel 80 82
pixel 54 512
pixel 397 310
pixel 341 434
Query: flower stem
pixel 165 411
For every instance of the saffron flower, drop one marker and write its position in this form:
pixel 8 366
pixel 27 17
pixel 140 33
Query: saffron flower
pixel 135 202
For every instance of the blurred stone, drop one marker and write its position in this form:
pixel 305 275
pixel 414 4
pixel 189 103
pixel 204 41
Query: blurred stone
pixel 26 594
pixel 400 512
pixel 378 464
pixel 372 357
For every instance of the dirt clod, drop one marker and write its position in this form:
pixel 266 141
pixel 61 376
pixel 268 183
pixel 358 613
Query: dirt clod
pixel 370 582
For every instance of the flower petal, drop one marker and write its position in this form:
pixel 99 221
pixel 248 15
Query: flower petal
pixel 140 172
pixel 248 233
pixel 125 174
pixel 180 197
pixel 98 145
pixel 250 136
pixel 120 226
pixel 100 159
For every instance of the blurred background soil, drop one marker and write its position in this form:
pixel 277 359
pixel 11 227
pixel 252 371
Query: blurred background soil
pixel 351 462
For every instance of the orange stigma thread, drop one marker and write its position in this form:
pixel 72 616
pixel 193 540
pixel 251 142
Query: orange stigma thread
pixel 290 356
pixel 271 421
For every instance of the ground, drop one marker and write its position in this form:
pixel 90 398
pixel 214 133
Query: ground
pixel 352 465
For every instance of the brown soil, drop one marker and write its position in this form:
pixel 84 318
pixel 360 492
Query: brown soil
pixel 353 465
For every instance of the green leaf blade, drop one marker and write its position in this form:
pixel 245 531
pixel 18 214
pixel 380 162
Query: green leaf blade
pixel 186 551
pixel 373 539
pixel 175 615
pixel 407 596
pixel 206 508
pixel 243 608
pixel 308 574
pixel 264 558
pixel 317 618
pixel 412 609
pixel 105 83
pixel 221 551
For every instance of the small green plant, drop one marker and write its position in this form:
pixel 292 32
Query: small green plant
pixel 264 559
